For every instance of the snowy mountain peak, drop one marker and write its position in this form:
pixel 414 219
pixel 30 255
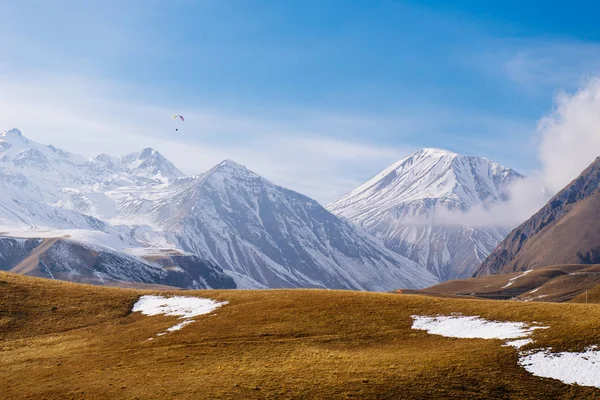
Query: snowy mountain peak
pixel 435 152
pixel 430 174
pixel 273 236
pixel 231 165
pixel 149 152
pixel 13 137
pixel 101 158
pixel 11 132
pixel 231 169
pixel 399 205
pixel 150 163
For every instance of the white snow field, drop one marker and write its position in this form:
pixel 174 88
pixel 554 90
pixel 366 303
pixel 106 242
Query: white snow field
pixel 568 367
pixel 181 306
pixel 582 368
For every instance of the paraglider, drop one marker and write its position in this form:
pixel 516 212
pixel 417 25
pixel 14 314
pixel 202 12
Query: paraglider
pixel 177 116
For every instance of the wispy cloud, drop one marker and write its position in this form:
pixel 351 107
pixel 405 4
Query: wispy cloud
pixel 536 65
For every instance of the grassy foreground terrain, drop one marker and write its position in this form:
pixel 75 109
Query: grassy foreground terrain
pixel 62 340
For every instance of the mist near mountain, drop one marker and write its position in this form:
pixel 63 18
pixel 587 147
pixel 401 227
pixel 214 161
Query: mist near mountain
pixel 406 205
pixel 568 141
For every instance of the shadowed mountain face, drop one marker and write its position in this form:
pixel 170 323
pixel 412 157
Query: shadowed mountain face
pixel 399 206
pixel 63 259
pixel 565 231
pixel 13 251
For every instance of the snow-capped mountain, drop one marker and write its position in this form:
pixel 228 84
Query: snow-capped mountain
pixel 35 178
pixel 150 163
pixel 399 206
pixel 276 237
pixel 259 233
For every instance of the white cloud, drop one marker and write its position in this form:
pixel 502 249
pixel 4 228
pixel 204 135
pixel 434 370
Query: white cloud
pixel 569 140
pixel 570 136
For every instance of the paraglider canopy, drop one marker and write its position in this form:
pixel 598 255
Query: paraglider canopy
pixel 177 116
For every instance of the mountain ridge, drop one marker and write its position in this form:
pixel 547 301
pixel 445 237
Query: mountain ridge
pixel 260 233
pixel 399 205
pixel 562 232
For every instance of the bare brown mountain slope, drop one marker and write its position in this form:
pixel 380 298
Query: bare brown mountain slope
pixel 555 283
pixel 565 231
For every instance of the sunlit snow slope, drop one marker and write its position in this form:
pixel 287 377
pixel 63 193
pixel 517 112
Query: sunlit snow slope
pixel 399 206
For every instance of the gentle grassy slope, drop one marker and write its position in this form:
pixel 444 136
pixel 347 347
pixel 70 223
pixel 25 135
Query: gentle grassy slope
pixel 62 340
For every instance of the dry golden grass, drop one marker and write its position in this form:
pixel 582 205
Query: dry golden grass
pixel 61 340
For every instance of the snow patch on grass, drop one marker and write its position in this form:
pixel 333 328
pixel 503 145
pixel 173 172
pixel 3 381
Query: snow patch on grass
pixel 180 325
pixel 184 307
pixel 459 326
pixel 512 280
pixel 517 344
pixel 582 368
pixel 568 367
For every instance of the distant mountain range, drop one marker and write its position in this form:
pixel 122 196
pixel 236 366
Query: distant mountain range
pixel 137 218
pixel 399 206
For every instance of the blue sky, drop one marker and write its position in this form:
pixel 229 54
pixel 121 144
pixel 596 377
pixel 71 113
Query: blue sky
pixel 315 95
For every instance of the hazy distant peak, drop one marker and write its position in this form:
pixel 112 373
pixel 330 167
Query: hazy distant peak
pixel 11 132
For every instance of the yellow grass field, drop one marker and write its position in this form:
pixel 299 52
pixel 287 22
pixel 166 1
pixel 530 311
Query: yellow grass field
pixel 62 340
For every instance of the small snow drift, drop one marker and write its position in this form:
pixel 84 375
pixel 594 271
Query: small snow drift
pixel 517 344
pixel 181 306
pixel 581 368
pixel 459 326
pixel 512 280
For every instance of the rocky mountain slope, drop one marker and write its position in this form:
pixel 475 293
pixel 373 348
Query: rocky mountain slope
pixel 399 206
pixel 262 235
pixel 65 259
pixel 565 231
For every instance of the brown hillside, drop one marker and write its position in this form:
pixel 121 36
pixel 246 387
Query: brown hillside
pixel 564 231
pixel 555 283
pixel 62 340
